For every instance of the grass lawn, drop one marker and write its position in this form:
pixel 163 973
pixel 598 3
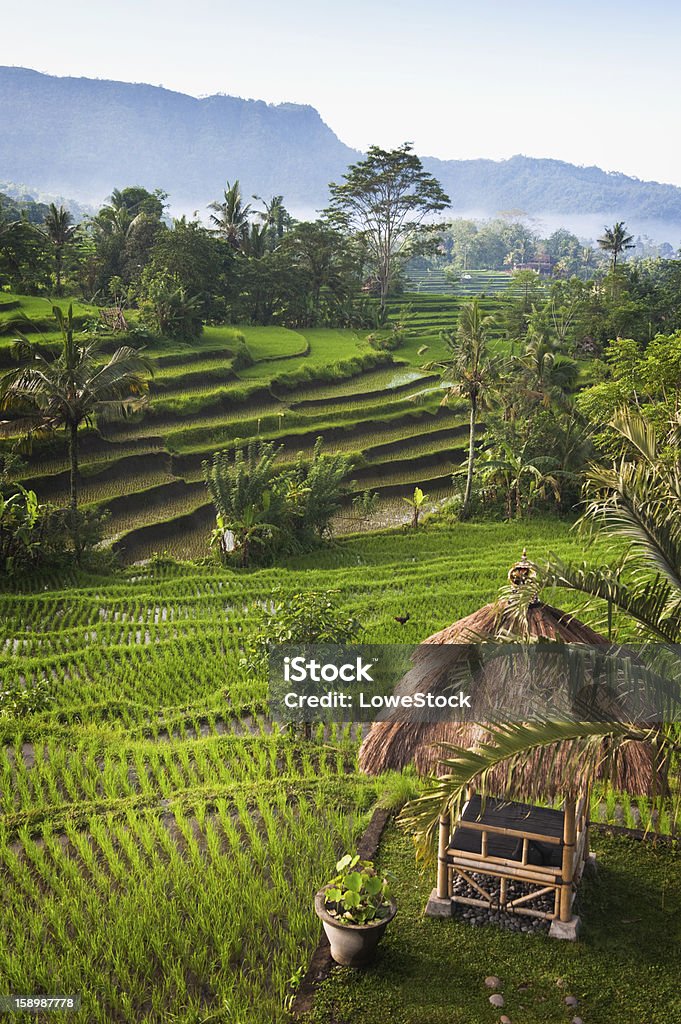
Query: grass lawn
pixel 625 968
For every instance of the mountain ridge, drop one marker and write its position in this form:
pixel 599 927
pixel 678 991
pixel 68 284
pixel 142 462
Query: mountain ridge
pixel 137 133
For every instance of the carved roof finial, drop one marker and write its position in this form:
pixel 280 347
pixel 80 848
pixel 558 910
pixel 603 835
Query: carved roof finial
pixel 522 572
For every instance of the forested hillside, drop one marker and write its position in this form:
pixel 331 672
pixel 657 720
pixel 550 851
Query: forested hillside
pixel 189 147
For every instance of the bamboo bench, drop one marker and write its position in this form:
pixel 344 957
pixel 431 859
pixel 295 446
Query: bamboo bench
pixel 507 840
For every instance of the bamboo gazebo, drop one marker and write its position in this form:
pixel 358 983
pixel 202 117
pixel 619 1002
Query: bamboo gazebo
pixel 500 841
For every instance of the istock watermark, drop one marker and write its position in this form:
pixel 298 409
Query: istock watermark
pixel 474 682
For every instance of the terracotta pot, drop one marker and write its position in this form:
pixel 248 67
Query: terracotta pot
pixel 353 945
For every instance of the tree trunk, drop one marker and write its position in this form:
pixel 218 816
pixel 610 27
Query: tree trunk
pixel 57 262
pixel 384 281
pixel 73 456
pixel 471 458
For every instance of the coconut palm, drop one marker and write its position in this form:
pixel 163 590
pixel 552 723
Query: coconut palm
pixel 275 215
pixel 255 241
pixel 230 217
pixel 60 230
pixel 615 241
pixel 71 389
pixel 638 502
pixel 547 376
pixel 471 373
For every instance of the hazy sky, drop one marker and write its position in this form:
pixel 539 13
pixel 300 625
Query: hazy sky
pixel 589 81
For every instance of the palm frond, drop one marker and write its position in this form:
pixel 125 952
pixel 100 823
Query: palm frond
pixel 572 751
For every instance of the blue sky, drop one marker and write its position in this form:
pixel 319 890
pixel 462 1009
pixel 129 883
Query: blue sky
pixel 589 82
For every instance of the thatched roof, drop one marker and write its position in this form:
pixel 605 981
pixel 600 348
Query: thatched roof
pixel 399 739
pixel 541 621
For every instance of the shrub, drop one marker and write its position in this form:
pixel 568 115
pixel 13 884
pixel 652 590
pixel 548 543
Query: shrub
pixel 304 617
pixel 18 701
pixel 35 535
pixel 261 510
pixel 168 309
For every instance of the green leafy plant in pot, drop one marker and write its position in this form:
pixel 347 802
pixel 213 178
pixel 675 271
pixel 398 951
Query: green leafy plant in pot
pixel 355 908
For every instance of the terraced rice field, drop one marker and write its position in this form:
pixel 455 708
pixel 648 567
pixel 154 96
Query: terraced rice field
pixel 148 473
pixel 383 407
pixel 434 281
pixel 160 837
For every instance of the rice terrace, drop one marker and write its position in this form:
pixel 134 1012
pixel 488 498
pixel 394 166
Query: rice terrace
pixel 388 425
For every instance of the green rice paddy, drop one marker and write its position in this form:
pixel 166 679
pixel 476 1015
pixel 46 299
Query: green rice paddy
pixel 298 386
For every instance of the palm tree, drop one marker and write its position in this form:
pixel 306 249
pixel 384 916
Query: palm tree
pixel 512 468
pixel 255 241
pixel 60 230
pixel 547 376
pixel 275 215
pixel 638 502
pixel 470 373
pixel 71 389
pixel 231 216
pixel 615 240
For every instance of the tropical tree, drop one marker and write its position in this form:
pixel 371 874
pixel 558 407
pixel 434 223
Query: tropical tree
pixel 324 257
pixel 169 310
pixel 318 485
pixel 615 241
pixel 230 217
pixel 23 257
pixel 73 388
pixel 124 232
pixel 249 498
pixel 546 377
pixel 471 372
pixel 60 231
pixel 256 241
pixel 385 199
pixel 276 218
pixel 636 505
pixel 191 255
pixel 522 480
pixel 258 503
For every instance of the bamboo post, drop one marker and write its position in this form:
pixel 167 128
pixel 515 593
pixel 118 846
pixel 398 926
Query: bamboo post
pixel 587 819
pixel 442 868
pixel 567 866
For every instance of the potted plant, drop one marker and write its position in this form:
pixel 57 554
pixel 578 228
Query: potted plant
pixel 355 908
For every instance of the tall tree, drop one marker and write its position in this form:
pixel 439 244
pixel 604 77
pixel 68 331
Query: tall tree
pixel 71 389
pixel 60 230
pixel 615 241
pixel 230 217
pixel 275 216
pixel 386 199
pixel 469 373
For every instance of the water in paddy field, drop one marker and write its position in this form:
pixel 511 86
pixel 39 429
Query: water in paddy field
pixel 403 377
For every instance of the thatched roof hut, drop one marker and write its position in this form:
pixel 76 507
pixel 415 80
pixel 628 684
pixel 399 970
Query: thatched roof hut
pixel 399 740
